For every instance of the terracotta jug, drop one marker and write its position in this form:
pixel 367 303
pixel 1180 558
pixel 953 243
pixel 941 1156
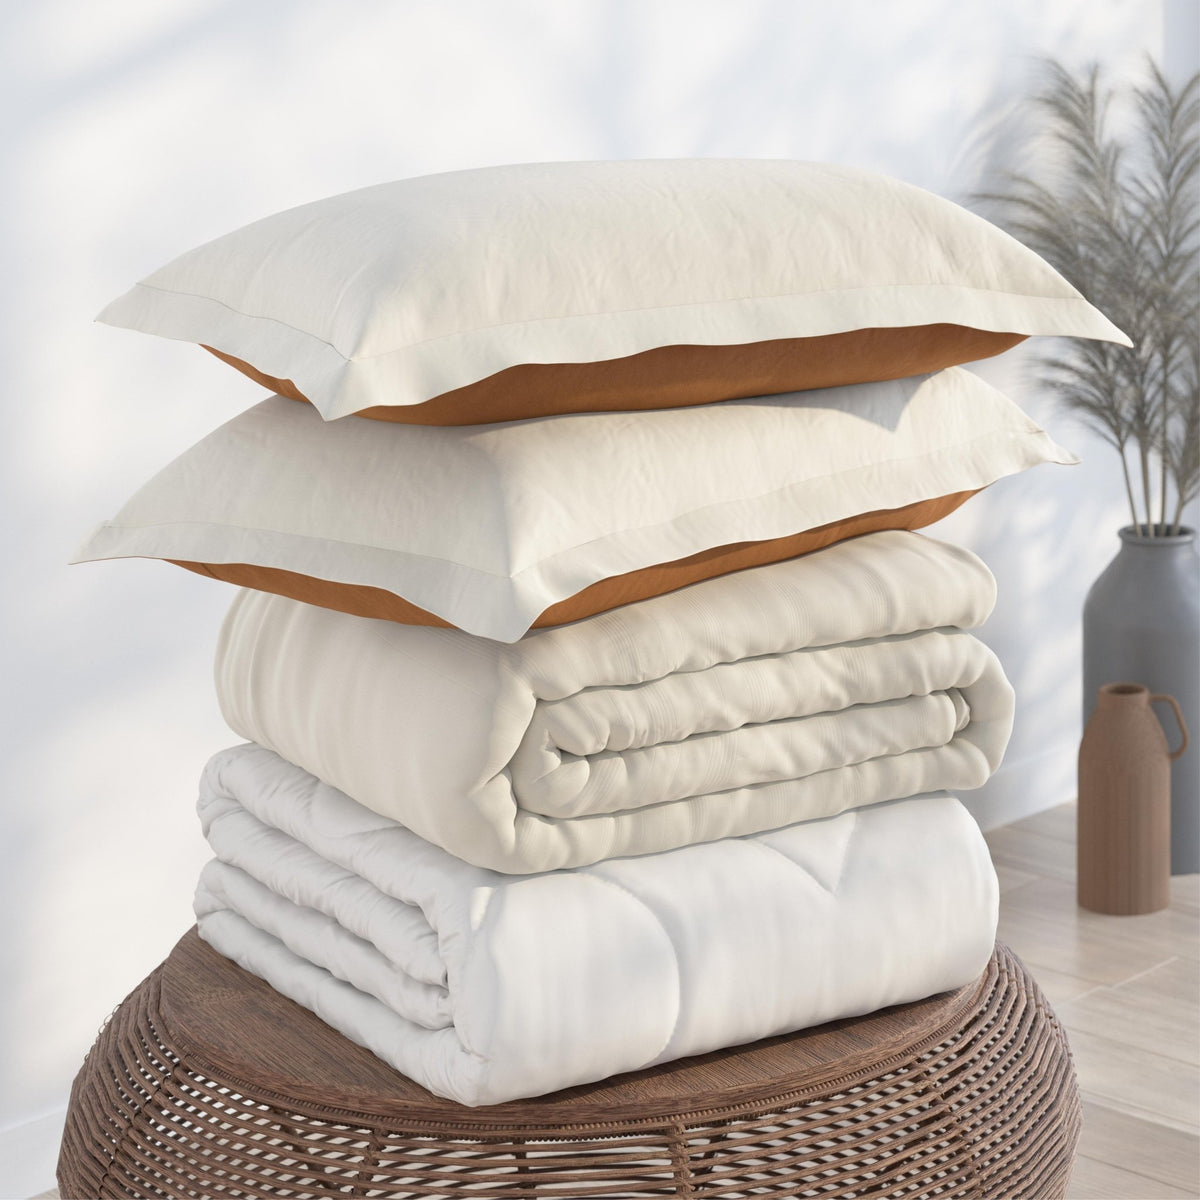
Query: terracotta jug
pixel 1124 852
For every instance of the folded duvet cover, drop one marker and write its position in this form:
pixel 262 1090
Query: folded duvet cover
pixel 744 703
pixel 485 987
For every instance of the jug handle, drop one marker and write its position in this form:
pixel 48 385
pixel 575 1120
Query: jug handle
pixel 1183 729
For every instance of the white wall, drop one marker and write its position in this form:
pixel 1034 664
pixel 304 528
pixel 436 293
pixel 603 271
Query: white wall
pixel 134 129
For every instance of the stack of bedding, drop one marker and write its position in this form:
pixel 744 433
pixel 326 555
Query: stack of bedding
pixel 601 704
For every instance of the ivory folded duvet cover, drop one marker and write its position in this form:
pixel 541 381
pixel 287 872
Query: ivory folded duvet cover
pixel 743 703
pixel 486 987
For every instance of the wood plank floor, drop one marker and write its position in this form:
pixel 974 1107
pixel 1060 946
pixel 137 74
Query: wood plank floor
pixel 1127 989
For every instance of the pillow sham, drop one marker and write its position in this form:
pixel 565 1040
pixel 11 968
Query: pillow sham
pixel 363 601
pixel 492 527
pixel 521 291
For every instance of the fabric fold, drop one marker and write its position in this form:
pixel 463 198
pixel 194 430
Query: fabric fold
pixel 485 987
pixel 778 694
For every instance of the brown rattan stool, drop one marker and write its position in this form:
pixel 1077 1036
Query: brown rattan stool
pixel 206 1083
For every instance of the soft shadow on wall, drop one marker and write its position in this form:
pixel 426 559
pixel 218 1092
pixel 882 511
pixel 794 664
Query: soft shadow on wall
pixel 1048 534
pixel 134 129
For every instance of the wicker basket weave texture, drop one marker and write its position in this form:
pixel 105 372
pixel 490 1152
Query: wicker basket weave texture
pixel 205 1083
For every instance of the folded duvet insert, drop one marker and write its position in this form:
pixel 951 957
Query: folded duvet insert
pixel 743 703
pixel 485 987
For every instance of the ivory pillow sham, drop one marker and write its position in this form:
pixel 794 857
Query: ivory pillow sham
pixel 521 291
pixel 489 528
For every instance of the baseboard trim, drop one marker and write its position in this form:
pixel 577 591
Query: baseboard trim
pixel 1020 789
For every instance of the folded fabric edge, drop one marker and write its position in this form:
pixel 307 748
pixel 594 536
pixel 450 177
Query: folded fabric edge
pixel 439 1062
pixel 505 607
pixel 340 386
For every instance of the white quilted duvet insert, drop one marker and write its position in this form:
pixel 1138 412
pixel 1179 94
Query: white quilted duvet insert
pixel 486 987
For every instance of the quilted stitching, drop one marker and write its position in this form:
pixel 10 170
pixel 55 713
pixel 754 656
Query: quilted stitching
pixel 852 817
pixel 751 953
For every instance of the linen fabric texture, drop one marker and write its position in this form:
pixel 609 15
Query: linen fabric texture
pixel 778 694
pixel 491 528
pixel 517 291
pixel 484 987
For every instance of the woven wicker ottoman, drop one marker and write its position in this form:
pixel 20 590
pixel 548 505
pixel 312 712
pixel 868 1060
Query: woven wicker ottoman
pixel 206 1083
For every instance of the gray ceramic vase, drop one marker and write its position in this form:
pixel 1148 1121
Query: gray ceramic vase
pixel 1141 624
